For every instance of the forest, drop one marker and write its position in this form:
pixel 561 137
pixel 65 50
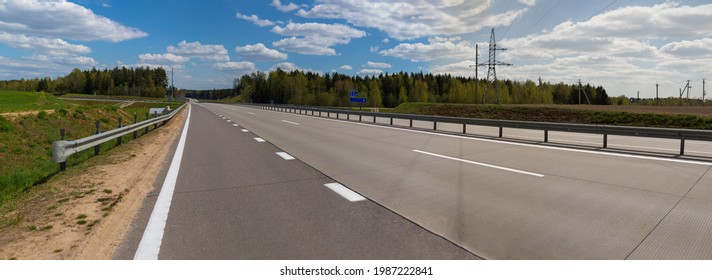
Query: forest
pixel 142 82
pixel 390 90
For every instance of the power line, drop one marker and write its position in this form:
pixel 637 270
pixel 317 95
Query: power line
pixel 540 19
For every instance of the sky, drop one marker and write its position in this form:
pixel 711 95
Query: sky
pixel 625 46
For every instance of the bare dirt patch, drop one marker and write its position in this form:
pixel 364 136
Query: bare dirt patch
pixel 13 115
pixel 84 212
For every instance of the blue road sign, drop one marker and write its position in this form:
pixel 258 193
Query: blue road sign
pixel 357 100
pixel 353 93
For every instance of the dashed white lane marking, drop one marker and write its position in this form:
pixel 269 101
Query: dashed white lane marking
pixel 260 140
pixel 234 124
pixel 251 113
pixel 285 156
pixel 290 122
pixel 345 192
pixel 150 243
pixel 482 164
pixel 229 120
pixel 245 130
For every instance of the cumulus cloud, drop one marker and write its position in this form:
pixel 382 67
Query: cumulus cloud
pixel 437 48
pixel 44 45
pixel 315 38
pixel 411 19
pixel 232 66
pixel 369 72
pixel 260 53
pixel 381 65
pixel 346 67
pixel 200 51
pixel 255 19
pixel 61 19
pixel 284 8
pixel 167 58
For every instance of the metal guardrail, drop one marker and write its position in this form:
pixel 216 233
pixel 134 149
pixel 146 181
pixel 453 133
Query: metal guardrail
pixel 62 149
pixel 604 130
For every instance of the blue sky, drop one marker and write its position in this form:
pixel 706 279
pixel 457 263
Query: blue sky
pixel 626 46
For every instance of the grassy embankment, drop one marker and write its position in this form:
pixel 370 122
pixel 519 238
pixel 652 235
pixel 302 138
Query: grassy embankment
pixel 26 138
pixel 668 117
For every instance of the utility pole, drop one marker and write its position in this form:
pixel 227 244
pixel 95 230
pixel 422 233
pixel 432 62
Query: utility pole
pixel 688 90
pixel 173 88
pixel 477 63
pixel 704 93
pixel 579 91
pixel 657 100
pixel 491 64
pixel 541 94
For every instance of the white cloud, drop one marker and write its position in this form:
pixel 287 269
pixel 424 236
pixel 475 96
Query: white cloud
pixel 346 67
pixel 285 66
pixel 198 50
pixel 255 19
pixel 369 72
pixel 284 8
pixel 44 45
pixel 689 48
pixel 106 5
pixel 410 19
pixel 260 53
pixel 436 49
pixel 528 2
pixel 460 69
pixel 232 66
pixel 167 58
pixel 315 38
pixel 61 19
pixel 381 65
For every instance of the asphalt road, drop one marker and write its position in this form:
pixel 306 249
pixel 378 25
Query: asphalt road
pixel 503 199
pixel 236 198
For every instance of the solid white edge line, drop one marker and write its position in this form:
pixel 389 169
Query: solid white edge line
pixel 150 244
pixel 345 192
pixel 482 164
pixel 234 124
pixel 245 130
pixel 260 140
pixel 290 122
pixel 473 138
pixel 285 156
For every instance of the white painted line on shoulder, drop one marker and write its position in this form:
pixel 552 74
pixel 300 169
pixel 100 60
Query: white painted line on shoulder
pixel 482 164
pixel 285 156
pixel 234 124
pixel 290 122
pixel 260 140
pixel 245 130
pixel 152 237
pixel 345 192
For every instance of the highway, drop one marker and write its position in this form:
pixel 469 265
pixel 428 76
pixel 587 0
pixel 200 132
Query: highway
pixel 428 195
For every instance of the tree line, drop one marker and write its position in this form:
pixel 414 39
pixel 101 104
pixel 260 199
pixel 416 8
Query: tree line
pixel 141 81
pixel 390 90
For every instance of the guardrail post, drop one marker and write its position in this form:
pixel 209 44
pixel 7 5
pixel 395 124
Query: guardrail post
pixel 464 128
pixel 146 130
pixel 135 121
pixel 411 123
pixel 62 165
pixel 359 117
pixel 374 119
pixel 682 146
pixel 500 132
pixel 155 115
pixel 391 121
pixel 546 136
pixel 605 140
pixel 348 116
pixel 96 148
pixel 121 138
pixel 435 125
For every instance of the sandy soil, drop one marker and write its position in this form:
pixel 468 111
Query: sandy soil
pixel 13 115
pixel 84 212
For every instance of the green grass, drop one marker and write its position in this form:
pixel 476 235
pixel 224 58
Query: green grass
pixel 26 141
pixel 556 114
pixel 20 101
